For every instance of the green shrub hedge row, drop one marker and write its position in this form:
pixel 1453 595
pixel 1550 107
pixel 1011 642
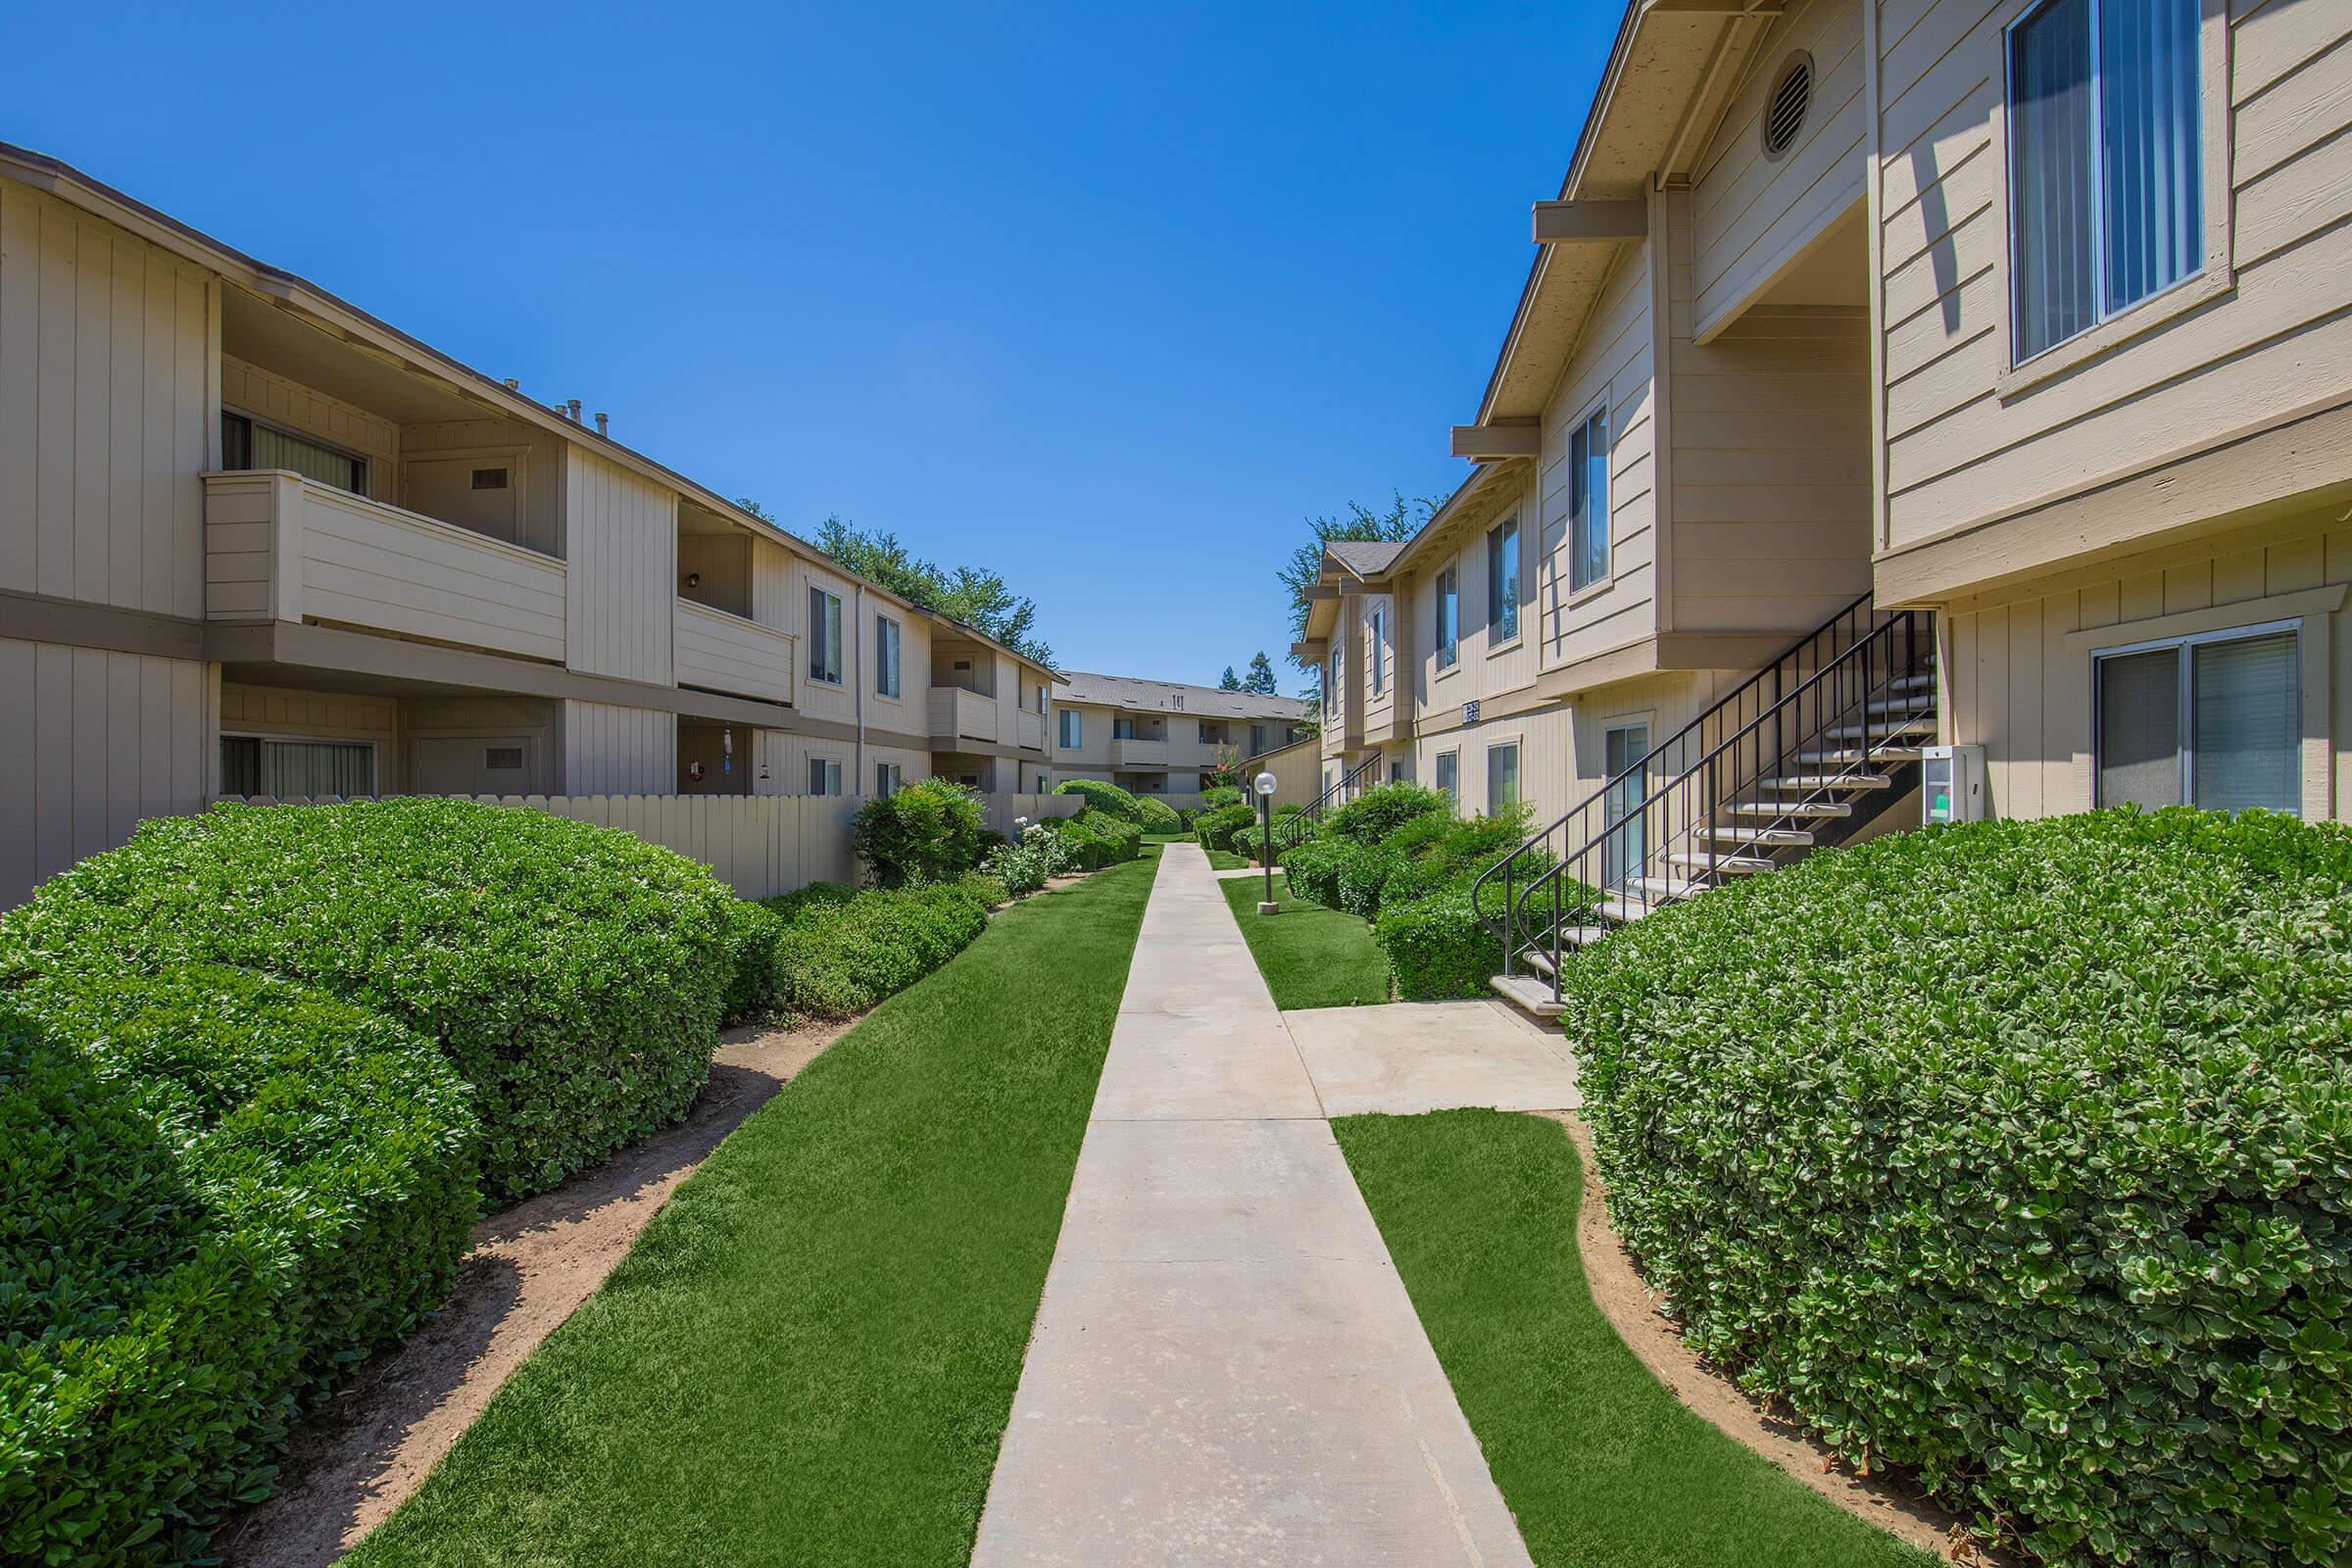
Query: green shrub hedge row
pixel 1097 839
pixel 1155 815
pixel 218 1190
pixel 842 951
pixel 573 974
pixel 2021 1153
pixel 1213 829
pixel 927 831
pixel 756 984
pixel 1102 795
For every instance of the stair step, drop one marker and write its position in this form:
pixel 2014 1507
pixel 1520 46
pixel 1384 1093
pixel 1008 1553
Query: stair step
pixel 1730 865
pixel 1913 683
pixel 1791 808
pixel 1662 888
pixel 1528 994
pixel 1877 754
pixel 1912 725
pixel 1909 704
pixel 1625 909
pixel 1831 781
pixel 1759 835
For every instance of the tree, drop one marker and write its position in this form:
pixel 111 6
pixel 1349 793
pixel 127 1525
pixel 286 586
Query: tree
pixel 1229 681
pixel 1261 675
pixel 977 598
pixel 1400 522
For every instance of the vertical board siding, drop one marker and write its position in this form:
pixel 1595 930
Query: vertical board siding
pixel 621 548
pixel 1957 450
pixel 613 749
pixel 286 402
pixel 103 410
pixel 91 742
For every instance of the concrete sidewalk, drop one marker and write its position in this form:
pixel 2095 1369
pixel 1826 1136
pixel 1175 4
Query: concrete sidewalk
pixel 1226 1368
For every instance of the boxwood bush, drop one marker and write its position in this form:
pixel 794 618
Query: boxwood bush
pixel 573 974
pixel 1155 815
pixel 2020 1153
pixel 927 831
pixel 1102 795
pixel 219 1190
pixel 755 978
pixel 1097 839
pixel 1219 795
pixel 843 950
pixel 1436 947
pixel 1214 829
pixel 1380 812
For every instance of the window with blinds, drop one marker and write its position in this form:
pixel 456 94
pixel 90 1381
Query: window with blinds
pixel 2106 163
pixel 2209 721
pixel 251 765
pixel 248 443
pixel 886 656
pixel 1588 501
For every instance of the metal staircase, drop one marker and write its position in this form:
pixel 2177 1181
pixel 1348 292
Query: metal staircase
pixel 1805 753
pixel 1297 828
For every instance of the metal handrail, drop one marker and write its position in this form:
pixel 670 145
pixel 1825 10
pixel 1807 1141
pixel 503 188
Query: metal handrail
pixel 1842 690
pixel 1292 830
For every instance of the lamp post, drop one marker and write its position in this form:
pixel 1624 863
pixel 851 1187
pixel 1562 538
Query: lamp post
pixel 1265 822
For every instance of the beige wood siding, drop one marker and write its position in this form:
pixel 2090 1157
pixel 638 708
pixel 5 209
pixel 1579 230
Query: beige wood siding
pixel 725 653
pixel 613 749
pixel 621 542
pixel 93 742
pixel 535 459
pixel 821 698
pixel 289 405
pixel 1615 364
pixel 2018 675
pixel 106 411
pixel 1753 215
pixel 327 715
pixel 1959 448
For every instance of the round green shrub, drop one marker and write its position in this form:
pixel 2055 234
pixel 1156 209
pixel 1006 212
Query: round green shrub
pixel 1363 869
pixel 1155 815
pixel 1436 947
pixel 1313 868
pixel 1380 812
pixel 1214 829
pixel 1219 795
pixel 221 1190
pixel 1102 795
pixel 755 978
pixel 573 974
pixel 927 831
pixel 1097 839
pixel 2019 1154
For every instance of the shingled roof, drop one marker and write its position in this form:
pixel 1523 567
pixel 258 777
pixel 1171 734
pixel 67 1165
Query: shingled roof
pixel 1366 558
pixel 1174 697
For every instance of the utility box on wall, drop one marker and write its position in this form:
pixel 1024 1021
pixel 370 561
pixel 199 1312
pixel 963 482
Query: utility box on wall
pixel 1951 784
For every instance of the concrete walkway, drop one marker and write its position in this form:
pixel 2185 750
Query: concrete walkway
pixel 1226 1368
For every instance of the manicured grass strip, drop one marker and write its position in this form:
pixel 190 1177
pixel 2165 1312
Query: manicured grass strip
pixel 1225 861
pixel 1311 956
pixel 811 1354
pixel 1599 1462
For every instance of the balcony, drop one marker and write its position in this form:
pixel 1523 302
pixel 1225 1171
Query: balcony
pixel 960 715
pixel 1138 753
pixel 1033 731
pixel 723 653
pixel 279 547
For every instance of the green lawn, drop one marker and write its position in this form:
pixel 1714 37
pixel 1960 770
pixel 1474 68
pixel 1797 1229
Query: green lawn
pixel 1225 861
pixel 811 1354
pixel 1598 1461
pixel 1311 956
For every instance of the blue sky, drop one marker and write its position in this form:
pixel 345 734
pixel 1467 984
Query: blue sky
pixel 1097 295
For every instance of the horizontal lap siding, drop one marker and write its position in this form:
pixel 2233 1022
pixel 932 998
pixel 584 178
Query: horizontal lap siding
pixel 1955 450
pixel 91 742
pixel 2013 686
pixel 105 411
pixel 372 570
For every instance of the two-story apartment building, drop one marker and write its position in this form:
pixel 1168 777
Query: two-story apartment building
pixel 254 541
pixel 2030 317
pixel 1156 737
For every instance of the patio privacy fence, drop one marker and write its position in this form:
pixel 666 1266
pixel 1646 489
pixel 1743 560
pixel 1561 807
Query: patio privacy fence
pixel 759 845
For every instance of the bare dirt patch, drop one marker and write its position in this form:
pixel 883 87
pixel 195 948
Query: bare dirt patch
pixel 360 1456
pixel 1635 1312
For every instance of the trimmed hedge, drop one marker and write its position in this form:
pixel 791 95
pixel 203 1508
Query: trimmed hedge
pixel 573 974
pixel 1157 815
pixel 1380 812
pixel 1097 839
pixel 1214 829
pixel 927 831
pixel 843 950
pixel 2020 1153
pixel 756 981
pixel 1219 795
pixel 1437 946
pixel 1101 795
pixel 220 1191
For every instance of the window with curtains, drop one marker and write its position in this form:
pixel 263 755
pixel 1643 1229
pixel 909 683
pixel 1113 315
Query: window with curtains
pixel 1502 582
pixel 824 636
pixel 1380 649
pixel 1449 617
pixel 1073 729
pixel 824 775
pixel 288 770
pixel 1502 778
pixel 886 656
pixel 249 443
pixel 1448 775
pixel 1122 727
pixel 1589 501
pixel 2106 163
pixel 2213 721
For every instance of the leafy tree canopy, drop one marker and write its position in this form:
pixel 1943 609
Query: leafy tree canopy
pixel 1402 520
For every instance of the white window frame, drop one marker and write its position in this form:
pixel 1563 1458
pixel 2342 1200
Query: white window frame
pixel 889 640
pixel 1518 778
pixel 1069 729
pixel 826 783
pixel 1447 584
pixel 1598 410
pixel 825 652
pixel 2185 695
pixel 888 778
pixel 1505 552
pixel 1451 791
pixel 2218 276
pixel 1378 634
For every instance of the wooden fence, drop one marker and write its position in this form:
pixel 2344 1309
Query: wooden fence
pixel 759 845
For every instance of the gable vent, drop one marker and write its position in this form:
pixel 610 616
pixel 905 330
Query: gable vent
pixel 1785 112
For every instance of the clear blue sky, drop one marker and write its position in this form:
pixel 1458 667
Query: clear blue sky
pixel 1101 296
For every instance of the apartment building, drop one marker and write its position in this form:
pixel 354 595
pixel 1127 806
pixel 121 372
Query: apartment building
pixel 254 541
pixel 1156 737
pixel 1992 356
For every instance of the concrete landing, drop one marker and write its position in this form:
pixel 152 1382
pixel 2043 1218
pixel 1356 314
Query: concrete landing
pixel 1405 1057
pixel 1226 1368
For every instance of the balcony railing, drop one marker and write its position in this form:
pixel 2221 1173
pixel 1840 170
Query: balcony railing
pixel 1033 731
pixel 279 547
pixel 724 652
pixel 1138 753
pixel 960 715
